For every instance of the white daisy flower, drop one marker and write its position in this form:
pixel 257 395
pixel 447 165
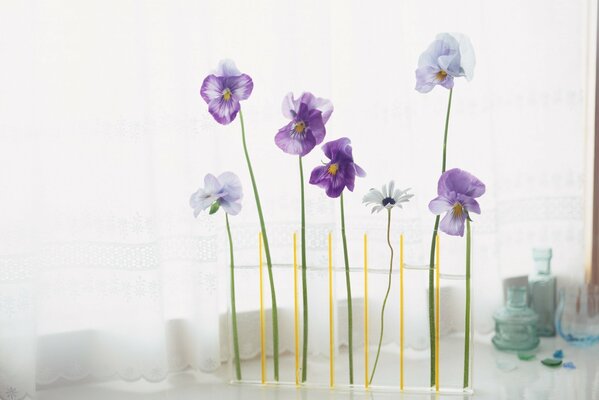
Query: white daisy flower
pixel 386 198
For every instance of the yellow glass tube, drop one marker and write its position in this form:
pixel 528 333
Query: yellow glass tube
pixel 331 320
pixel 366 311
pixel 401 314
pixel 295 310
pixel 262 335
pixel 437 313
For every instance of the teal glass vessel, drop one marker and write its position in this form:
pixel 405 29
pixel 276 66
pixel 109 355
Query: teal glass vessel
pixel 542 290
pixel 516 323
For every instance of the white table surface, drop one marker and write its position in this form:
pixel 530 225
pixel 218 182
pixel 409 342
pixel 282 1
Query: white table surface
pixel 492 380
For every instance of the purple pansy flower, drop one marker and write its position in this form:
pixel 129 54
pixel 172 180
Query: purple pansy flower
pixel 340 172
pixel 224 191
pixel 457 190
pixel 223 91
pixel 448 57
pixel 308 116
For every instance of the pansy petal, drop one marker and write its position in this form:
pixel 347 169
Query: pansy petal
pixel 359 171
pixel 201 200
pixel 211 184
pixel 469 204
pixel 241 86
pixel 231 207
pixel 447 83
pixel 293 143
pixel 212 88
pixel 224 111
pixel 316 126
pixel 430 55
pixel 323 105
pixel 453 225
pixel 336 186
pixel 460 181
pixel 347 173
pixel 468 59
pixel 333 148
pixel 226 68
pixel 290 106
pixel 231 186
pixel 450 63
pixel 318 175
pixel 439 205
pixel 426 78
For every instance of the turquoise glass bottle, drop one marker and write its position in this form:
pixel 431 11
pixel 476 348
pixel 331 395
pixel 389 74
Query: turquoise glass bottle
pixel 516 323
pixel 542 290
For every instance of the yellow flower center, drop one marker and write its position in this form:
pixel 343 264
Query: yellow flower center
pixel 458 210
pixel 227 94
pixel 441 75
pixel 299 127
pixel 333 168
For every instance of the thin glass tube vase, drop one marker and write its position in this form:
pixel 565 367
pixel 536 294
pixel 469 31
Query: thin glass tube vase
pixel 406 371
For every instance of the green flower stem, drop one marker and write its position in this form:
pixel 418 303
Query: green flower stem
pixel 467 323
pixel 233 307
pixel 304 277
pixel 273 296
pixel 378 351
pixel 431 269
pixel 350 335
pixel 446 130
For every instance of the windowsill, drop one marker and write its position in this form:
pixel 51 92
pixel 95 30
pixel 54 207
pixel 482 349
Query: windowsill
pixel 528 379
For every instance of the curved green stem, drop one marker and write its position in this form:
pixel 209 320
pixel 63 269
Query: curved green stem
pixel 233 307
pixel 350 335
pixel 467 323
pixel 446 130
pixel 431 270
pixel 378 351
pixel 273 296
pixel 304 277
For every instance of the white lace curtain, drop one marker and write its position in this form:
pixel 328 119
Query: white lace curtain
pixel 103 137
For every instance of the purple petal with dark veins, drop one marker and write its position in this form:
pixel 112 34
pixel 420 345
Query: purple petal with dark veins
pixel 335 187
pixel 453 225
pixel 212 88
pixel 224 111
pixel 294 143
pixel 348 174
pixel 240 86
pixel 315 124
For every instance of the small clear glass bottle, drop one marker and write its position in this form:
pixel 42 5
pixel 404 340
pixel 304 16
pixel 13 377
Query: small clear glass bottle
pixel 516 323
pixel 542 289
